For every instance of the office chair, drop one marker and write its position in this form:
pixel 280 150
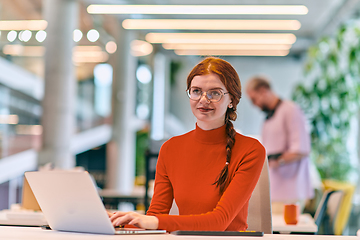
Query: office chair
pixel 344 210
pixel 151 156
pixel 259 215
pixel 327 211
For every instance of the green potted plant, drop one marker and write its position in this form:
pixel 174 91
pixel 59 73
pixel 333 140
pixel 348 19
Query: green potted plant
pixel 331 98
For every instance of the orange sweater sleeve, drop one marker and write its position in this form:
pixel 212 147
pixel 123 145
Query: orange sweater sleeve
pixel 235 197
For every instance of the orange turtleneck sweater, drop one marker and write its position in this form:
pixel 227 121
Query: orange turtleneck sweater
pixel 187 167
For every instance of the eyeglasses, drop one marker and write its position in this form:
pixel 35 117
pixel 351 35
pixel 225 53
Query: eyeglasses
pixel 213 95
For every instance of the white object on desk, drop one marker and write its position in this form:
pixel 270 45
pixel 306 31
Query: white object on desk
pixel 306 224
pixel 22 218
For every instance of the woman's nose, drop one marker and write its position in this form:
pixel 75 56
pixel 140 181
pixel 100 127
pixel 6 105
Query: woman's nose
pixel 204 98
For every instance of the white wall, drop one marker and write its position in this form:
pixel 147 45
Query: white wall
pixel 284 73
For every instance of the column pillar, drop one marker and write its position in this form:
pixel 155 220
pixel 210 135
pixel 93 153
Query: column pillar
pixel 121 149
pixel 160 97
pixel 58 118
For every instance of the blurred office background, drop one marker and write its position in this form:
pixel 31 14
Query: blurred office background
pixel 94 86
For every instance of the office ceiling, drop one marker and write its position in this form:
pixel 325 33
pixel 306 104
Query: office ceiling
pixel 322 19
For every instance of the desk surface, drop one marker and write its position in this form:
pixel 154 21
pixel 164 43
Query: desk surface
pixel 35 233
pixel 306 224
pixel 22 218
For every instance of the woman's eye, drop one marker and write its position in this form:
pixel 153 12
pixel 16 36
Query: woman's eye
pixel 196 91
pixel 215 93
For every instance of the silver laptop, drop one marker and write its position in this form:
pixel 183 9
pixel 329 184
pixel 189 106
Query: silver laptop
pixel 70 202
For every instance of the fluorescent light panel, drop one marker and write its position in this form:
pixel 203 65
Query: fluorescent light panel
pixel 227 46
pixel 9 119
pixel 199 9
pixel 89 54
pixel 26 51
pixel 233 53
pixel 222 38
pixel 90 57
pixel 80 53
pixel 29 129
pixel 211 24
pixel 140 48
pixel 18 25
pixel 86 48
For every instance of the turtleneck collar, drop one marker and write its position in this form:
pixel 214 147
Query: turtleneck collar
pixel 217 135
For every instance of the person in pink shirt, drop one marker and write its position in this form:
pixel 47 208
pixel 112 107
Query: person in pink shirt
pixel 287 143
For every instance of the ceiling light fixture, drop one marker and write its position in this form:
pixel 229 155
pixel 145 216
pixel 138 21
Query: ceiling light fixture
pixel 11 36
pixel 26 51
pixel 199 9
pixel 81 54
pixel 89 54
pixel 233 53
pixel 85 48
pixel 140 48
pixel 33 25
pixel 111 47
pixel 29 129
pixel 9 119
pixel 93 35
pixel 25 35
pixel 77 35
pixel 90 57
pixel 222 38
pixel 40 36
pixel 211 24
pixel 227 46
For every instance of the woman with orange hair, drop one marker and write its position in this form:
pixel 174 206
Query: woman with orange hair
pixel 210 171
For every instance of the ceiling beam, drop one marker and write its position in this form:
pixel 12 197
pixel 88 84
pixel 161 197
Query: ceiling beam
pixel 344 12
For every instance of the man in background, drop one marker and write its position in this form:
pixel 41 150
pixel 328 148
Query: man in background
pixel 287 143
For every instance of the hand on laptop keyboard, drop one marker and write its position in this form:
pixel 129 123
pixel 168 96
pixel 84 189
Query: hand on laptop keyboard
pixel 135 219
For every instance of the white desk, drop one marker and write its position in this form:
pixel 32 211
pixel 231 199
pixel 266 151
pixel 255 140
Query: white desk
pixel 306 224
pixel 32 233
pixel 22 218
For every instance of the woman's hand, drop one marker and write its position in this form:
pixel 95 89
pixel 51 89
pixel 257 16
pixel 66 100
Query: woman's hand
pixel 135 219
pixel 109 214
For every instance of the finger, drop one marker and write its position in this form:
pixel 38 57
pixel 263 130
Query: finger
pixel 109 214
pixel 135 221
pixel 117 214
pixel 123 220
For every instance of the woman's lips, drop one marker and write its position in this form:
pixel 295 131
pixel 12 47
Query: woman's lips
pixel 205 109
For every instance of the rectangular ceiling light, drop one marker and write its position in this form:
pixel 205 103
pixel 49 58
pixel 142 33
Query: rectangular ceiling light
pixel 199 9
pixel 211 24
pixel 233 53
pixel 169 46
pixel 81 54
pixel 9 119
pixel 222 38
pixel 89 56
pixel 91 48
pixel 18 25
pixel 26 51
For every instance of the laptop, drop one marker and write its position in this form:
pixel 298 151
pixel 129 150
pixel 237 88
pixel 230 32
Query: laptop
pixel 28 200
pixel 70 202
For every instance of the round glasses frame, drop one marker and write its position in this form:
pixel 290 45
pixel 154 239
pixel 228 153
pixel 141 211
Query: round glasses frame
pixel 206 95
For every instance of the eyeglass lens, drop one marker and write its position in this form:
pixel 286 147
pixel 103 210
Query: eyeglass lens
pixel 213 95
